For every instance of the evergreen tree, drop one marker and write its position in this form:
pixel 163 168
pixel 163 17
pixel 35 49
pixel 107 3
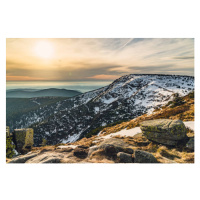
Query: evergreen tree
pixel 9 147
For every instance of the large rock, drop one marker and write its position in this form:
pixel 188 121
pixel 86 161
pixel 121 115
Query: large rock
pixel 111 147
pixel 144 157
pixel 124 157
pixel 118 144
pixel 164 131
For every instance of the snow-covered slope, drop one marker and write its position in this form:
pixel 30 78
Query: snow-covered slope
pixel 126 98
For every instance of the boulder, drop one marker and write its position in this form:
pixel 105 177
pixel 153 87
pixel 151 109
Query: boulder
pixel 119 144
pixel 128 150
pixel 144 157
pixel 111 147
pixel 164 131
pixel 190 144
pixel 81 152
pixel 124 157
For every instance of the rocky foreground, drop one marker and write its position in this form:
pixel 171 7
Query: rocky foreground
pixel 161 141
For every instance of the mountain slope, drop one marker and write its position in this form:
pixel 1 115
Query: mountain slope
pixel 41 93
pixel 126 98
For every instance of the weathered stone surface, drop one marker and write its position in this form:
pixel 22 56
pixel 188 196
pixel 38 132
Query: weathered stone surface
pixel 80 152
pixel 48 157
pixel 92 149
pixel 124 157
pixel 24 158
pixel 144 157
pixel 114 141
pixel 64 149
pixel 111 147
pixel 190 144
pixel 119 145
pixel 164 131
pixel 128 150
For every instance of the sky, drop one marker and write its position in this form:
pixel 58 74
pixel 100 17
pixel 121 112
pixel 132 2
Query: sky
pixel 65 59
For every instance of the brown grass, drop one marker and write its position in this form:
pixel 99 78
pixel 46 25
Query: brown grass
pixel 164 154
pixel 184 112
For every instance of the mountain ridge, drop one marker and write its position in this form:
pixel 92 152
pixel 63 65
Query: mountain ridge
pixel 125 98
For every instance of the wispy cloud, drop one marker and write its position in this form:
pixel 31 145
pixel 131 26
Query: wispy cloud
pixel 86 59
pixel 184 57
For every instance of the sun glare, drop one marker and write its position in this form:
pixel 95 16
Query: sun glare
pixel 44 49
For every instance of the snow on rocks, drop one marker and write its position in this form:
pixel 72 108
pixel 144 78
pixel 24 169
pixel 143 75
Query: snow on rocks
pixel 136 130
pixel 189 124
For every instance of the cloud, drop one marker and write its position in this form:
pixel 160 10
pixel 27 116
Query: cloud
pixel 184 57
pixel 86 59
pixel 22 78
pixel 104 77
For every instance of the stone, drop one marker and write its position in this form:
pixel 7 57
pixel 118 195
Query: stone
pixel 190 144
pixel 144 157
pixel 128 150
pixel 164 131
pixel 81 152
pixel 112 146
pixel 119 144
pixel 110 149
pixel 124 157
pixel 24 158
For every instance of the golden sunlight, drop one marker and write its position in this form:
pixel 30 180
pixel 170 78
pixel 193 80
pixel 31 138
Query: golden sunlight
pixel 44 49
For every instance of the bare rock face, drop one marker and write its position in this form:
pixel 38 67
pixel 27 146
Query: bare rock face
pixel 48 157
pixel 164 131
pixel 23 158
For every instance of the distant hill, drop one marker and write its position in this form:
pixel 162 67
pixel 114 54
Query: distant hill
pixel 51 92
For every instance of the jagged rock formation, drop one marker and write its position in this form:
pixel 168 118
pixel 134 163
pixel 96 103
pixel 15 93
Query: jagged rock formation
pixel 126 98
pixel 109 151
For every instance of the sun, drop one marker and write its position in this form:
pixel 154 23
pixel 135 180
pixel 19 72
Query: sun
pixel 44 49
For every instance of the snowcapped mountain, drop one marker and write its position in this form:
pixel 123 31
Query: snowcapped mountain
pixel 126 98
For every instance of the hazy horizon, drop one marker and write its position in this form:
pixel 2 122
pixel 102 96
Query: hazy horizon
pixel 81 86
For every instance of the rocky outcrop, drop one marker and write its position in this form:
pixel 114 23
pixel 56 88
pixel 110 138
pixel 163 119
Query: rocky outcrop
pixel 23 158
pixel 47 157
pixel 164 131
pixel 144 157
